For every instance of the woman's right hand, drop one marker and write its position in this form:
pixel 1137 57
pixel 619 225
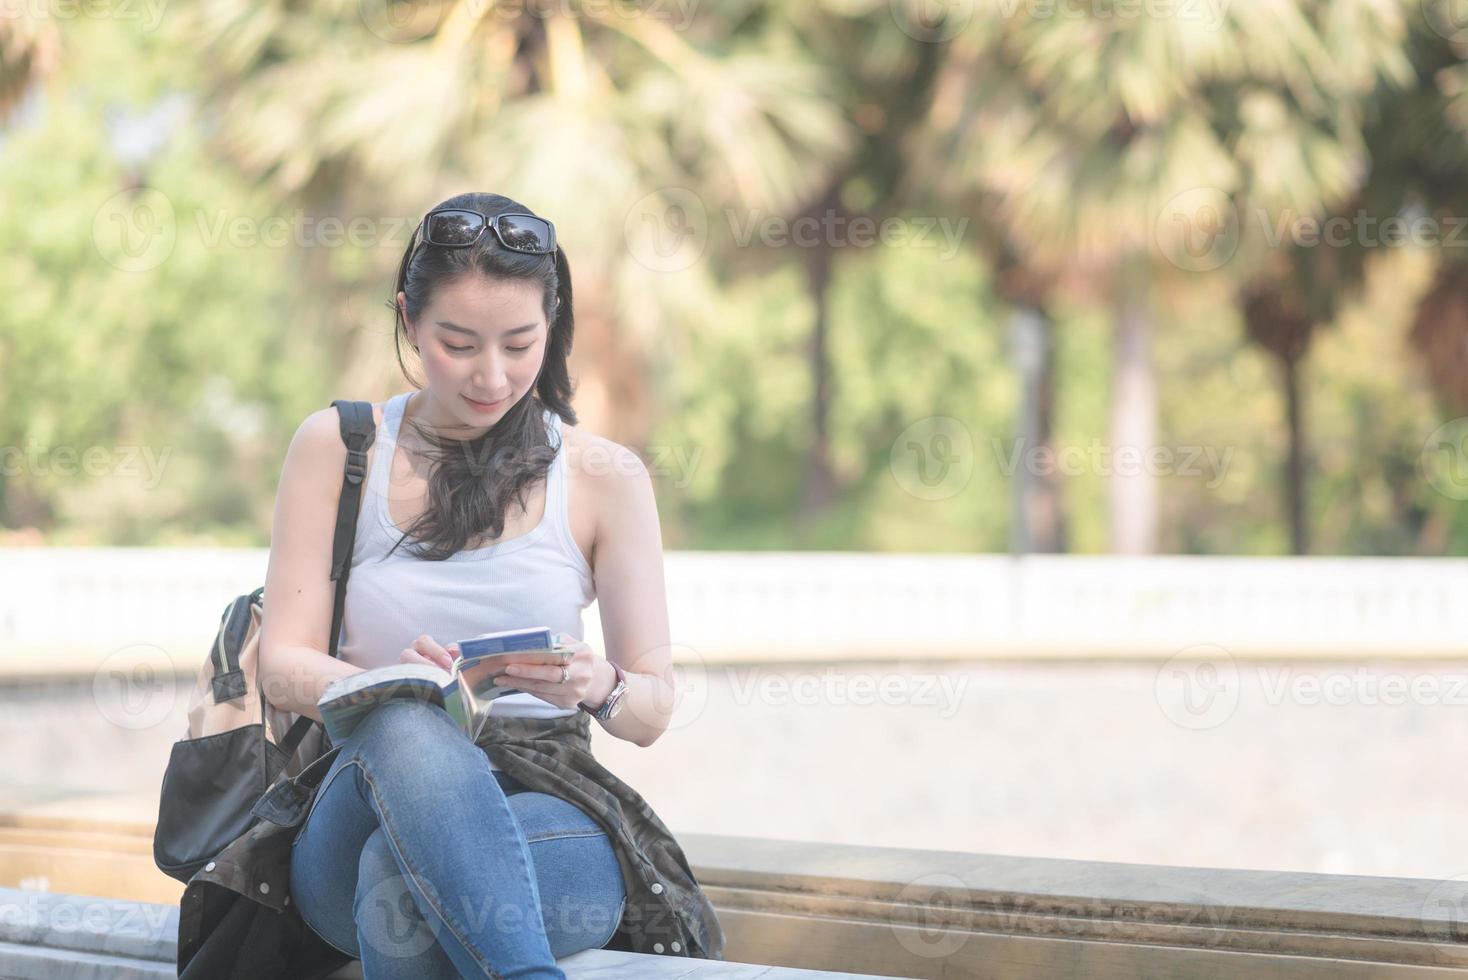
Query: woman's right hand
pixel 425 650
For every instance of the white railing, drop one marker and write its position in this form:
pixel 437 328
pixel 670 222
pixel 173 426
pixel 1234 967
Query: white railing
pixel 61 604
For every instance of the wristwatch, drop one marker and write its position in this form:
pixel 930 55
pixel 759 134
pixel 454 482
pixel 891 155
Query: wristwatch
pixel 613 703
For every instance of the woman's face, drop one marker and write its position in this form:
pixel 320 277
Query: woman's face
pixel 481 341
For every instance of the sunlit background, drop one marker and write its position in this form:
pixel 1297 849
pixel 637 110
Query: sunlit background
pixel 1091 378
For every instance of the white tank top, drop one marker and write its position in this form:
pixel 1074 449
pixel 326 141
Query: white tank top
pixel 539 578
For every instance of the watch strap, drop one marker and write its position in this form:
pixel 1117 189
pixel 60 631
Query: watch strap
pixel 621 682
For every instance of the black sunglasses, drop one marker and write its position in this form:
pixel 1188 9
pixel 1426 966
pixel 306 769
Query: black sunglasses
pixel 460 228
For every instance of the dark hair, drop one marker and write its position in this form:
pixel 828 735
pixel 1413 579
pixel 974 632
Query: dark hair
pixel 472 481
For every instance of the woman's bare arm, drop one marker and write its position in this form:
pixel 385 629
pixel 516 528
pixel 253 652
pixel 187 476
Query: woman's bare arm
pixel 627 568
pixel 295 667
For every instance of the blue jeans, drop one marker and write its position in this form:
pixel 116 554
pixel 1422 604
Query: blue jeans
pixel 422 862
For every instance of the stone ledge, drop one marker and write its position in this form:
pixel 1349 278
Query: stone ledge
pixel 55 936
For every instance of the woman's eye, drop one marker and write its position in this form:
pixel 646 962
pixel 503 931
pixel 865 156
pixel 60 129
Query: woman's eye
pixel 456 350
pixel 520 350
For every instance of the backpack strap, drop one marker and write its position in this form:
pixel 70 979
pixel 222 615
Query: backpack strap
pixel 358 432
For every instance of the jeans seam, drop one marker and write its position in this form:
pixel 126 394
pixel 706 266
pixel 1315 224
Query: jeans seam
pixel 564 835
pixel 393 843
pixel 616 921
pixel 316 798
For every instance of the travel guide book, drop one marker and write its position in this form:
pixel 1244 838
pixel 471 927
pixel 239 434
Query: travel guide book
pixel 466 691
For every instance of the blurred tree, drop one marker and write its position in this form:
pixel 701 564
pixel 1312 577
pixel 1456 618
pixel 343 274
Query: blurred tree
pixel 629 130
pixel 1113 143
pixel 29 49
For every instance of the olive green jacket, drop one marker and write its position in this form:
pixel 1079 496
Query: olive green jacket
pixel 221 935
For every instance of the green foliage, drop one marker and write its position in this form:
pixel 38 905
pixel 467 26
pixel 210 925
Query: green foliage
pixel 163 359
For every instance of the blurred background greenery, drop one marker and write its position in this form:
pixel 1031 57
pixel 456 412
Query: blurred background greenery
pixel 1127 190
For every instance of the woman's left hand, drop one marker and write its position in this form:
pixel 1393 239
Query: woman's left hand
pixel 544 680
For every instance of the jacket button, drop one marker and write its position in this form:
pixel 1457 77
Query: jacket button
pixel 264 888
pixel 657 888
pixel 657 947
pixel 209 866
pixel 676 947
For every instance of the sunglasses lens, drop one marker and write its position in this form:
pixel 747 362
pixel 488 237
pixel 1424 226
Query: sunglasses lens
pixel 527 233
pixel 453 227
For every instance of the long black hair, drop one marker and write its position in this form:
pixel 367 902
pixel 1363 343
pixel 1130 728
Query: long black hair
pixel 472 481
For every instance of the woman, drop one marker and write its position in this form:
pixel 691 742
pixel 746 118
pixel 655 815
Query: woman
pixel 422 854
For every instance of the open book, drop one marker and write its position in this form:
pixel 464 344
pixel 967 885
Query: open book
pixel 467 691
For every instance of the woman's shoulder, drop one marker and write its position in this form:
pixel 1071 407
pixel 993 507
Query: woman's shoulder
pixel 596 458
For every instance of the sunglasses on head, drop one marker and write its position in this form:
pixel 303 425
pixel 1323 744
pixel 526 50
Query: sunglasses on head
pixel 460 228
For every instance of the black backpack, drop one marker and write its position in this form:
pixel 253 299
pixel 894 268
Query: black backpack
pixel 237 743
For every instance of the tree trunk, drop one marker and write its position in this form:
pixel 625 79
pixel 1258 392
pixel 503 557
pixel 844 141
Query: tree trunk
pixel 1037 523
pixel 1295 468
pixel 819 485
pixel 1133 417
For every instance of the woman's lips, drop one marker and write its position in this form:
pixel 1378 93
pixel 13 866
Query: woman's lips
pixel 483 406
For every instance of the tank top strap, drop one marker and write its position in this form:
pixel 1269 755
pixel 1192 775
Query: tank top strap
pixel 557 503
pixel 555 484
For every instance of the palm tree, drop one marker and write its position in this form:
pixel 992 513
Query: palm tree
pixel 1419 142
pixel 1093 132
pixel 601 119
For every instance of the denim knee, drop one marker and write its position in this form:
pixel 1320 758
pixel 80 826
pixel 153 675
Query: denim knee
pixel 412 736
